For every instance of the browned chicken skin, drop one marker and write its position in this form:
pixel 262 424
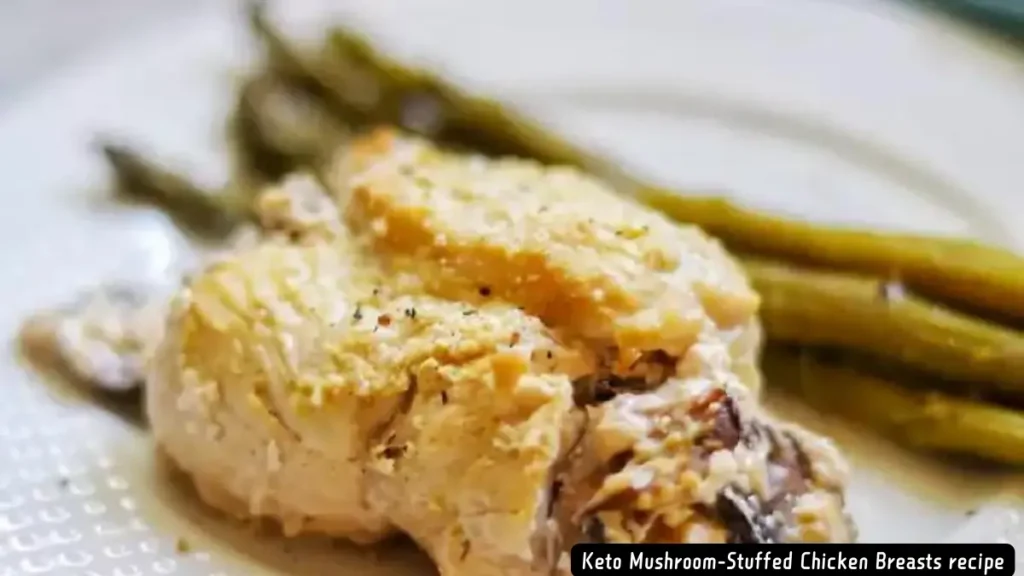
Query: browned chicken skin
pixel 499 360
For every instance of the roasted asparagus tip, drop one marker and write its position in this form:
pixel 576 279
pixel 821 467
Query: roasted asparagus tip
pixel 201 212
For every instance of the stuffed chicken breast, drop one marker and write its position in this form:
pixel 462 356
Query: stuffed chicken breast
pixel 499 360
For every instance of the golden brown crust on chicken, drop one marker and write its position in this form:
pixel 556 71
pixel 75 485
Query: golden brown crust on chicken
pixel 359 380
pixel 559 243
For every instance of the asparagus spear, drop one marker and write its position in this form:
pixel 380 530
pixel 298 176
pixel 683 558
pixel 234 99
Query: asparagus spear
pixel 927 421
pixel 961 271
pixel 256 163
pixel 813 307
pixel 287 123
pixel 367 88
pixel 329 81
pixel 207 214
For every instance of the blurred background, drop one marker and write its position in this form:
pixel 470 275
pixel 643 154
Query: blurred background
pixel 38 37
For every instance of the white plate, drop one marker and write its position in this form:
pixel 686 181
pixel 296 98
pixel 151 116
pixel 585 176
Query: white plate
pixel 853 112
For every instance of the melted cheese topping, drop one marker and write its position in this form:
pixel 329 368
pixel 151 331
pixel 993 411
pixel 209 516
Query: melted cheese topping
pixel 558 243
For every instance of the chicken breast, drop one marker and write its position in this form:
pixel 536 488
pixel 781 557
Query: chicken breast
pixel 405 373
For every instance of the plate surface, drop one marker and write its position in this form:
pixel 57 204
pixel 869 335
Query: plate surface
pixel 846 112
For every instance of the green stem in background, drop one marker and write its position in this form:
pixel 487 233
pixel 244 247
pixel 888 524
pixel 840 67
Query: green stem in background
pixel 922 420
pixel 875 317
pixel 289 127
pixel 206 214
